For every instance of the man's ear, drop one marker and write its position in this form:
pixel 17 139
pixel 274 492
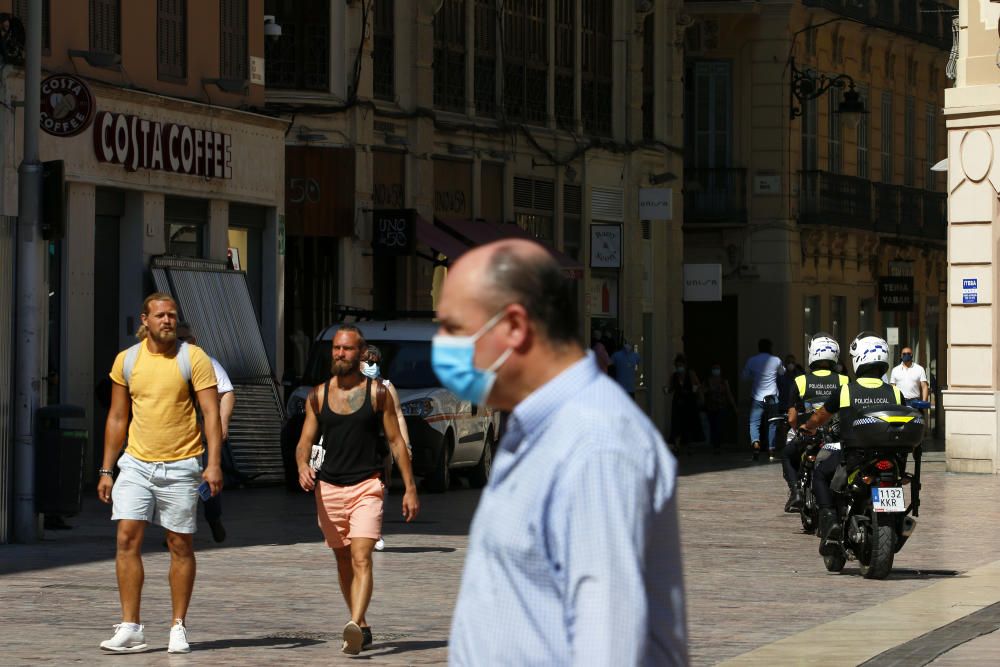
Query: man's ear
pixel 520 329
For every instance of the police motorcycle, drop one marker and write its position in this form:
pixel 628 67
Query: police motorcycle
pixel 827 435
pixel 877 500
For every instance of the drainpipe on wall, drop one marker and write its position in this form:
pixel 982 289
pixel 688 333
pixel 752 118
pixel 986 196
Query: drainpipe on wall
pixel 28 333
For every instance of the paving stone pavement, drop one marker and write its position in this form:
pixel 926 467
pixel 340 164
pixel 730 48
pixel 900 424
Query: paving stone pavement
pixel 269 593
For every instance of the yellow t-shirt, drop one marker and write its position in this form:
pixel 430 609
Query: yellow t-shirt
pixel 164 423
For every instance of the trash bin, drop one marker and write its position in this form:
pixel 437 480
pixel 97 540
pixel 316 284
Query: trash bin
pixel 59 451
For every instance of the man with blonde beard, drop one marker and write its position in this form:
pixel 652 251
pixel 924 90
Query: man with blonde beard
pixel 158 379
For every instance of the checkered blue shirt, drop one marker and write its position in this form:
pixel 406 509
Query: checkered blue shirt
pixel 574 553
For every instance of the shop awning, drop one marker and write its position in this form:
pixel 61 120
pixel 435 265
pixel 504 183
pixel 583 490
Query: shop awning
pixel 479 232
pixel 439 240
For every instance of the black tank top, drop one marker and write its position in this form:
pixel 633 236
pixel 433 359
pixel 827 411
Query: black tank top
pixel 351 442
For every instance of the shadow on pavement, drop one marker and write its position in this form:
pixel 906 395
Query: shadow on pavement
pixel 902 574
pixel 276 641
pixel 395 647
pixel 263 516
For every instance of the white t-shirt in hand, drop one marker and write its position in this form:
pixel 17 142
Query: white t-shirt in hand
pixel 908 380
pixel 763 369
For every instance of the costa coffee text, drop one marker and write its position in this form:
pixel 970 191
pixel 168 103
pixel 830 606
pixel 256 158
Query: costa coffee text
pixel 137 143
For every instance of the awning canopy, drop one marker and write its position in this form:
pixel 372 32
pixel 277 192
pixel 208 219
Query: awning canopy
pixel 439 240
pixel 480 232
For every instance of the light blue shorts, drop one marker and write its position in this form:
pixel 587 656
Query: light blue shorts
pixel 164 493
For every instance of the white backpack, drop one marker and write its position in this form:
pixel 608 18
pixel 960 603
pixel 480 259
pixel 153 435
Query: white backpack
pixel 183 361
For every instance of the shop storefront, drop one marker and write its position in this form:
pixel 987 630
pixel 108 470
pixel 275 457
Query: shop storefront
pixel 145 176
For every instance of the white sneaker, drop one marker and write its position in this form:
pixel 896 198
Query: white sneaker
pixel 125 640
pixel 380 544
pixel 178 639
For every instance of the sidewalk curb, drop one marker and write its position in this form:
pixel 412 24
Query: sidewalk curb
pixel 884 626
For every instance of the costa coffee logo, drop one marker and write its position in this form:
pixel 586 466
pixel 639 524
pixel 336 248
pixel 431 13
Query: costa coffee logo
pixel 67 105
pixel 138 143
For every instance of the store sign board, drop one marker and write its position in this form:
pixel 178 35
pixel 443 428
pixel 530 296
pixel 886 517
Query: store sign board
pixel 703 282
pixel 656 204
pixel 395 232
pixel 138 143
pixel 606 246
pixel 67 105
pixel 895 294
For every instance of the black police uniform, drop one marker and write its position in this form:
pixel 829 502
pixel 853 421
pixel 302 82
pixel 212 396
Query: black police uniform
pixel 861 394
pixel 811 389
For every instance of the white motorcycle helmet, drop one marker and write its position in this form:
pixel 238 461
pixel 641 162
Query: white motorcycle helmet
pixel 822 347
pixel 869 352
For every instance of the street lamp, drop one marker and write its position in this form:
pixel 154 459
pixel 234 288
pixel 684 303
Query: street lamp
pixel 808 85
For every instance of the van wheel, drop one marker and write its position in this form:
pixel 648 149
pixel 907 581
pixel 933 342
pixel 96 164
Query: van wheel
pixel 439 481
pixel 480 475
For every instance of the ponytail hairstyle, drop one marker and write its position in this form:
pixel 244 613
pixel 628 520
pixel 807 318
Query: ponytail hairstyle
pixel 142 332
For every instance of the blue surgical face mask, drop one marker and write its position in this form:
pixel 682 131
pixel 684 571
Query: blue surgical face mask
pixel 716 372
pixel 369 370
pixel 452 359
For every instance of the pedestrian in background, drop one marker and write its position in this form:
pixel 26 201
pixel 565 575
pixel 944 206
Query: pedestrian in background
pixel 910 377
pixel 626 362
pixel 685 422
pixel 161 469
pixel 574 554
pixel 371 367
pixel 348 411
pixel 227 402
pixel 718 403
pixel 763 370
pixel 600 351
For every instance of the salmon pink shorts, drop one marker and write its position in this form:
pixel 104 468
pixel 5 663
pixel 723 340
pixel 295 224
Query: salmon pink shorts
pixel 348 512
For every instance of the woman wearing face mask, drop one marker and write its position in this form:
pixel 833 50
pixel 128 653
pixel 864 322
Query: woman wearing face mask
pixel 718 401
pixel 685 423
pixel 370 367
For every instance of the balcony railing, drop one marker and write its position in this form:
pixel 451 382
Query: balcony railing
pixel 835 199
pixel 923 20
pixel 847 201
pixel 715 195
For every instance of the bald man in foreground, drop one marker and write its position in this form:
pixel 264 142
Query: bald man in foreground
pixel 574 553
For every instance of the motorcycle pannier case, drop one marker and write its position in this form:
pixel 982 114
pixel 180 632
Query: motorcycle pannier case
pixel 887 427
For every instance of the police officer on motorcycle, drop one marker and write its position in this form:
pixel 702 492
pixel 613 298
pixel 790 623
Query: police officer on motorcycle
pixel 810 390
pixel 870 358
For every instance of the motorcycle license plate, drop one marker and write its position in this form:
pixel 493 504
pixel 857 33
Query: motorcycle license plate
pixel 888 499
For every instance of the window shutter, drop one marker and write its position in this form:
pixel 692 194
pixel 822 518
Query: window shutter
pixel 233 55
pixel 523 196
pixel 607 204
pixel 171 38
pixel 572 200
pixel 105 23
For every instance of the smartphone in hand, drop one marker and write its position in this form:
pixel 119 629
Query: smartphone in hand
pixel 205 491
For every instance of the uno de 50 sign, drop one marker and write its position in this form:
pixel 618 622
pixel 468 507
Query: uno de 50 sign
pixel 137 143
pixel 395 232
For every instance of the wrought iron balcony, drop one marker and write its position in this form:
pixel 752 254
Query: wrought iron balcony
pixel 923 20
pixel 715 196
pixel 832 199
pixel 835 199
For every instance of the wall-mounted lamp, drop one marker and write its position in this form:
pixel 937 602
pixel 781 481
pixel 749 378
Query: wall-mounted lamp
pixel 663 177
pixel 272 30
pixel 228 85
pixel 570 173
pixel 808 85
pixel 457 149
pixel 305 134
pixel 97 58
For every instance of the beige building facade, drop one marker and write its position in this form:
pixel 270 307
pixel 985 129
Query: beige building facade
pixel 972 109
pixel 163 161
pixel 483 120
pixel 817 226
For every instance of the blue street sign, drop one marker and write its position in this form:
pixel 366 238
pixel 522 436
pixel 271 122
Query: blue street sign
pixel 970 297
pixel 970 283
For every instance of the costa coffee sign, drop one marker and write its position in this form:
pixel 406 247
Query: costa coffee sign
pixel 138 143
pixel 67 105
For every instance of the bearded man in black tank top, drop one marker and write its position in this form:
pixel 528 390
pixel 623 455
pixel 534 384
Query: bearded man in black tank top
pixel 347 412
